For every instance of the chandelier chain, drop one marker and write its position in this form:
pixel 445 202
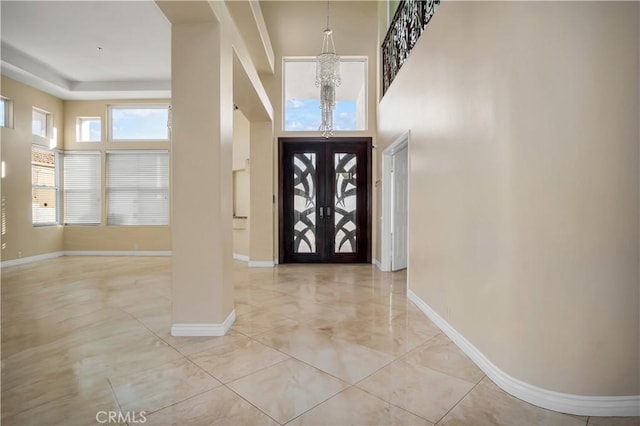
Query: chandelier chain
pixel 327 78
pixel 328 14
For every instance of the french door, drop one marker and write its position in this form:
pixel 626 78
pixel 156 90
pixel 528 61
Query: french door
pixel 325 200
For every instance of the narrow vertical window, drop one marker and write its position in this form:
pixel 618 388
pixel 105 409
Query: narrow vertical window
pixel 45 188
pixel 40 122
pixel 5 112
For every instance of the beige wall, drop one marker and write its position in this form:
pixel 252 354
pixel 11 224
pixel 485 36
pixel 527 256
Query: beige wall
pixel 241 136
pixel 355 32
pixel 113 238
pixel 524 185
pixel 241 183
pixel 22 239
pixel 103 237
pixel 262 205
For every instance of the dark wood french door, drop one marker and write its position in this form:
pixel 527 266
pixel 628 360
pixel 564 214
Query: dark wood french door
pixel 325 200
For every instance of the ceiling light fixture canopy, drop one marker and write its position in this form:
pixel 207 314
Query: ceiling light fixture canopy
pixel 327 78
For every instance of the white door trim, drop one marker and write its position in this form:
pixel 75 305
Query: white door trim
pixel 387 161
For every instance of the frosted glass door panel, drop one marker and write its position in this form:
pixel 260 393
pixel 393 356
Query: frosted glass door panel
pixel 304 202
pixel 345 203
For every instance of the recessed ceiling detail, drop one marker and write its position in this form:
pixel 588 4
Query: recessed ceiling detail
pixel 88 49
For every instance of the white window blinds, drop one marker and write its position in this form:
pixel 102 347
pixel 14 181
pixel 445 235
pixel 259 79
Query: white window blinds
pixel 137 188
pixel 82 188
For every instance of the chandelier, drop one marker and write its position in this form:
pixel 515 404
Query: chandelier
pixel 327 78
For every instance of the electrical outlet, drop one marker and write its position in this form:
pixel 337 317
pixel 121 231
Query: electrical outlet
pixel 19 254
pixel 135 246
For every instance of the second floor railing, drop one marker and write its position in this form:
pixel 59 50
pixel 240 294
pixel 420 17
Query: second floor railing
pixel 410 20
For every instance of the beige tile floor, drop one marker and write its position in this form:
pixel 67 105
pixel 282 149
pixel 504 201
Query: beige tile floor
pixel 312 345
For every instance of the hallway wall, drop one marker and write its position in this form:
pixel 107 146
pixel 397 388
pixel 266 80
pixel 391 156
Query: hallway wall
pixel 524 185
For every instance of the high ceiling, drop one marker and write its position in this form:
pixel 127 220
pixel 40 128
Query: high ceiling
pixel 296 27
pixel 84 49
pixel 122 49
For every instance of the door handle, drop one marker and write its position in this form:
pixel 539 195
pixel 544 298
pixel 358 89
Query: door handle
pixel 328 211
pixel 321 212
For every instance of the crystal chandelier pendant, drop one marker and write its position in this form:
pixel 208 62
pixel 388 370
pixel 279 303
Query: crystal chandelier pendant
pixel 327 79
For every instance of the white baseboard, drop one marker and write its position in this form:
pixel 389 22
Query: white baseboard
pixel 30 259
pixel 556 401
pixel 182 330
pixel 117 253
pixel 240 257
pixel 378 263
pixel 261 264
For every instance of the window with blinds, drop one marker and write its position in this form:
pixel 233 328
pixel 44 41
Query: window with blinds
pixel 45 188
pixel 137 187
pixel 82 188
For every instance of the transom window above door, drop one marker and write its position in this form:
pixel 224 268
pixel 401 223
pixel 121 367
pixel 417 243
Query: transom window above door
pixel 301 96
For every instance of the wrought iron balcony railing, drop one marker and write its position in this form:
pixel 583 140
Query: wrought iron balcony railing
pixel 410 20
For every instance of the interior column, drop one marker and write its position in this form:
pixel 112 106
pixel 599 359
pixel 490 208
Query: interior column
pixel 202 128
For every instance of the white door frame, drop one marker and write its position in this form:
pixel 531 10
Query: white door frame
pixel 387 226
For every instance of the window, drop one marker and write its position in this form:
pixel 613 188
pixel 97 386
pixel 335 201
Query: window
pixel 89 129
pixel 139 123
pixel 137 188
pixel 40 121
pixel 6 112
pixel 302 97
pixel 82 188
pixel 45 188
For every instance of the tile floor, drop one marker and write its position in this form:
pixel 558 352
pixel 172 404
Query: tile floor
pixel 312 345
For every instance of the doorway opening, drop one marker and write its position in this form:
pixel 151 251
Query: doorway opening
pixel 395 205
